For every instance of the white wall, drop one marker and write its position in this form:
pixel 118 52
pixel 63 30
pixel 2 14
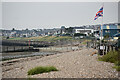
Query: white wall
pixel 78 30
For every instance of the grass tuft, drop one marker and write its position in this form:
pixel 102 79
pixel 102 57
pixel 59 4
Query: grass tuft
pixel 41 69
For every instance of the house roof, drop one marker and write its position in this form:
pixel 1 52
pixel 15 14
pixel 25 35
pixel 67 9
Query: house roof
pixel 78 27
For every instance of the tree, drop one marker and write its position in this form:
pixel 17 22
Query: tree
pixel 13 29
pixel 79 34
pixel 7 37
pixel 26 29
pixel 69 30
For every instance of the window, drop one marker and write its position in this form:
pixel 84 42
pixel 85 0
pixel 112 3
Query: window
pixel 107 31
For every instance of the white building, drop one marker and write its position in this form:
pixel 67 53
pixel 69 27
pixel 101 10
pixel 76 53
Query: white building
pixel 83 31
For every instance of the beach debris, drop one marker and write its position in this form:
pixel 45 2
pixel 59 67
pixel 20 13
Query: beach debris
pixel 93 53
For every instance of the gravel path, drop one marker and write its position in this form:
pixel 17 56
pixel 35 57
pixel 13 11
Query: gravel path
pixel 74 64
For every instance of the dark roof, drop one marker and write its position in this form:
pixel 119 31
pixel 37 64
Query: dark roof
pixel 78 27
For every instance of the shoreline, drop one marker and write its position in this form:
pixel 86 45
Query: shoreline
pixel 26 58
pixel 42 52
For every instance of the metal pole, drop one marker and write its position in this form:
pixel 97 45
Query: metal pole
pixel 102 31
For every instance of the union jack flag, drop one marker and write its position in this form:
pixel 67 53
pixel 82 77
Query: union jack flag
pixel 99 13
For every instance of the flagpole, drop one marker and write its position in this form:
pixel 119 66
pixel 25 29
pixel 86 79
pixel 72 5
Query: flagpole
pixel 102 30
pixel 99 14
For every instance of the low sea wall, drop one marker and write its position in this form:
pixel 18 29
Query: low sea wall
pixel 17 48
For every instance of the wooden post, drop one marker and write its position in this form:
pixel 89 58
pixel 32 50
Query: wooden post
pixel 21 47
pixel 62 48
pixel 7 48
pixel 29 43
pixel 14 48
pixel 55 48
pixel 95 43
pixel 113 48
pixel 67 48
pixel 110 48
pixel 106 49
pixel 103 48
pixel 51 48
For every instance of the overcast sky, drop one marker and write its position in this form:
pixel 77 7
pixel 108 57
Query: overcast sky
pixel 40 15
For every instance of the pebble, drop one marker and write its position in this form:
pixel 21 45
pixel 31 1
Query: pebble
pixel 77 64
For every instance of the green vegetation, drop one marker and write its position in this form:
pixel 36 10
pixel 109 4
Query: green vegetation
pixel 79 34
pixel 41 69
pixel 55 38
pixel 3 37
pixel 45 38
pixel 69 30
pixel 113 57
pixel 17 38
pixel 117 68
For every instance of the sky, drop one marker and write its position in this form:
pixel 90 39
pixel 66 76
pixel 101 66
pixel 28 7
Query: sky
pixel 119 12
pixel 45 15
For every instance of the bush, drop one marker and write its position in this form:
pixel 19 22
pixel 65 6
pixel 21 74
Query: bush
pixel 111 56
pixel 41 69
pixel 117 68
pixel 117 63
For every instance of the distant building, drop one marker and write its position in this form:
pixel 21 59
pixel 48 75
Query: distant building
pixel 110 30
pixel 83 30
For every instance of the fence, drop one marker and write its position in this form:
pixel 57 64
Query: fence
pixel 105 47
